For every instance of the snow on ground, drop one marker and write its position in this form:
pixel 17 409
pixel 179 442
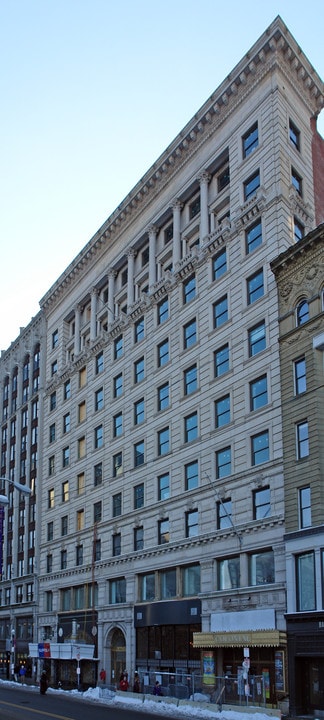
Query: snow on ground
pixel 159 707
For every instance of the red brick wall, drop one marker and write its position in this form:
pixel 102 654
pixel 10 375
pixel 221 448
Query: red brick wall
pixel 318 172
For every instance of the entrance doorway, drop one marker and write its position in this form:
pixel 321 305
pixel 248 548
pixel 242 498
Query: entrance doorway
pixel 118 655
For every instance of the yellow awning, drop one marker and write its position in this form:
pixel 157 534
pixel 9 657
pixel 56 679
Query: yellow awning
pixel 245 638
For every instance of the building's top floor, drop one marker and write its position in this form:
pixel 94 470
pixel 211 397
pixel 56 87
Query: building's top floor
pixel 275 49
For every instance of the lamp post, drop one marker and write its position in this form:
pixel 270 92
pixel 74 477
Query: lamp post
pixel 3 502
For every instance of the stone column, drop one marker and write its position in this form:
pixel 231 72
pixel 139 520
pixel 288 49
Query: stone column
pixel 176 207
pixel 111 296
pixel 93 315
pixel 204 229
pixel 77 324
pixel 131 254
pixel 152 233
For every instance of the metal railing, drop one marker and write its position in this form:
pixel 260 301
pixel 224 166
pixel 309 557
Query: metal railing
pixel 233 690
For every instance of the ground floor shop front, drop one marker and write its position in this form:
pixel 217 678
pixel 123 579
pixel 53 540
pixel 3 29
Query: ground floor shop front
pixel 305 643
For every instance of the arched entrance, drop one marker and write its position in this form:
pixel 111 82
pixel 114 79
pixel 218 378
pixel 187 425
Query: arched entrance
pixel 118 654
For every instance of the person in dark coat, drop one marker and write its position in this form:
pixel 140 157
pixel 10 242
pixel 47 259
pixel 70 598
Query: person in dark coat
pixel 136 686
pixel 157 690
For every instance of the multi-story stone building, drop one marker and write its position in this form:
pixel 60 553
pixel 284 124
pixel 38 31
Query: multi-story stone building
pixel 299 272
pixel 21 372
pixel 162 530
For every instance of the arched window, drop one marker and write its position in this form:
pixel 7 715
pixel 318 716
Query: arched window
pixel 302 314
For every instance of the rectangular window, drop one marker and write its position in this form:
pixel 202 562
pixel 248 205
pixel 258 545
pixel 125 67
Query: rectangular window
pixel 261 568
pixel 223 463
pixel 299 230
pixel 67 390
pixel 219 264
pixel 53 400
pixel 229 573
pixel 163 311
pixel 164 486
pixel 118 385
pixel 139 453
pixel 66 423
pixel 49 563
pixel 191 427
pixel 97 550
pixel 64 525
pixel 49 601
pixel 82 377
pixel 253 237
pixel 189 334
pixel 257 339
pixel 80 520
pixel 306 586
pixel 66 599
pixel 116 544
pixel 138 496
pixel 50 502
pixel 118 425
pixel 80 483
pixel 224 514
pixel 98 437
pixel 194 208
pixel 250 140
pixel 190 380
pixel 117 464
pixel 163 396
pixel 147 587
pixel 50 531
pixel 117 591
pixel 305 509
pixel 192 528
pixel 163 441
pixel 220 311
pixel 190 580
pixel 79 555
pixel 168 584
pixel 138 538
pixel 191 475
pixel 63 559
pixel 65 491
pixel 118 347
pixel 302 440
pixel 139 412
pixel 294 135
pixel 139 370
pixel 52 433
pixel 260 448
pixel 296 181
pixel 251 185
pixel 54 367
pixel 97 512
pixel 258 392
pixel 99 363
pixel 223 178
pixel 221 360
pixel 97 474
pixel 189 289
pixel 255 287
pixel 117 504
pixel 300 376
pixel 163 531
pixel 65 457
pixel 51 465
pixel 163 353
pixel 222 411
pixel 82 411
pixel 81 447
pixel 139 330
pixel 261 503
pixel 55 339
pixel 99 399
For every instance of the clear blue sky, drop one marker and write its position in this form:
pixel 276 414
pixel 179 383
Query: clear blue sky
pixel 92 91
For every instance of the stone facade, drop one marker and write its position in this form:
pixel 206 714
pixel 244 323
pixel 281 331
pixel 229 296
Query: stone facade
pixel 162 504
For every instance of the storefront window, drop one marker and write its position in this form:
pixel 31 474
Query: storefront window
pixel 168 584
pixel 229 573
pixel 262 568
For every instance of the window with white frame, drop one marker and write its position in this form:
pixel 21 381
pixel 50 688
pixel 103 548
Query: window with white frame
pixel 305 582
pixel 304 507
pixel 302 440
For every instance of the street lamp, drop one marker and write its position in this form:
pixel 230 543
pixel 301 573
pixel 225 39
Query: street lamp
pixel 5 501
